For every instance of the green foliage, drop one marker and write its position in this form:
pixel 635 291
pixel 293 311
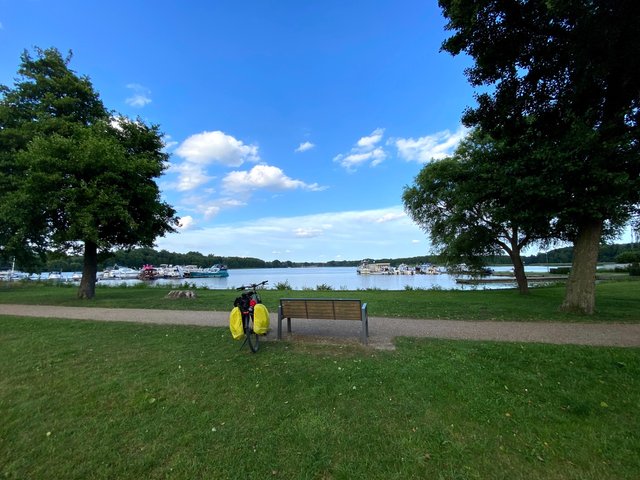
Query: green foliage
pixel 324 287
pixel 282 285
pixel 632 256
pixel 560 88
pixel 48 99
pixel 471 209
pixel 634 269
pixel 78 176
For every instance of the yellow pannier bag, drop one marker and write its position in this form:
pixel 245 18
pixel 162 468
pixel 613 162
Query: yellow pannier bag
pixel 260 319
pixel 235 324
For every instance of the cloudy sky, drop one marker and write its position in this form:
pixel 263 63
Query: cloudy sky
pixel 293 126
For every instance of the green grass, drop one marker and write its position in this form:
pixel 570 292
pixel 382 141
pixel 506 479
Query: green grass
pixel 92 400
pixel 616 301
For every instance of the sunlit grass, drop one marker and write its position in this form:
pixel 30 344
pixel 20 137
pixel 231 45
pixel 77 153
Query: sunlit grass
pixel 110 400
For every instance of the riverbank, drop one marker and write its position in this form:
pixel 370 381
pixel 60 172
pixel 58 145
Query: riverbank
pixel 616 301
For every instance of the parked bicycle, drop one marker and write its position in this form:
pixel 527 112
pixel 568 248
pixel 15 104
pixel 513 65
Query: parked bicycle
pixel 252 311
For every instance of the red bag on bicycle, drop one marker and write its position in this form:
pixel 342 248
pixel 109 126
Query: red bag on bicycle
pixel 235 324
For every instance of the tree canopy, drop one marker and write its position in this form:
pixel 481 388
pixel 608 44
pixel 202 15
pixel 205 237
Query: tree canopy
pixel 472 207
pixel 75 176
pixel 564 90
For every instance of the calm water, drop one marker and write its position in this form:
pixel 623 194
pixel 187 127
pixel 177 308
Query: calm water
pixel 338 278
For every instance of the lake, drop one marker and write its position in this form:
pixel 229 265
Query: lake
pixel 338 278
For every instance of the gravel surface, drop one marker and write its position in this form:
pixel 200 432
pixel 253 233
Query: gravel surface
pixel 382 330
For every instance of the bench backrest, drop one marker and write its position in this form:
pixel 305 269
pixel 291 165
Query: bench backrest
pixel 321 308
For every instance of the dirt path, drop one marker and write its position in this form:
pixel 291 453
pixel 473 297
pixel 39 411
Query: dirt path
pixel 382 330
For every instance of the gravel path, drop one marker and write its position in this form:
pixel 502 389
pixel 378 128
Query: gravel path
pixel 382 330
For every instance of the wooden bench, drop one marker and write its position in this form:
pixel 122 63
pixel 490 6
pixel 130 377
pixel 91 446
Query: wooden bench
pixel 324 309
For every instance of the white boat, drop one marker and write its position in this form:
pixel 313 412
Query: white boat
pixel 7 275
pixel 218 270
pixel 120 273
pixel 372 268
pixel 170 271
pixel 54 276
pixel 428 269
pixel 404 269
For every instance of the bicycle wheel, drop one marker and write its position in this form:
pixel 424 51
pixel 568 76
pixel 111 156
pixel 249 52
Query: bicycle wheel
pixel 252 337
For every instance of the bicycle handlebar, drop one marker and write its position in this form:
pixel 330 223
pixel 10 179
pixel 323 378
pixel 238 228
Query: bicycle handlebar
pixel 252 286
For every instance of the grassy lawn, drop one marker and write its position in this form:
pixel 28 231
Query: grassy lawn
pixel 93 400
pixel 616 301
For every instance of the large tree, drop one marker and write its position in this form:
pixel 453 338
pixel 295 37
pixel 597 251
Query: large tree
pixel 81 178
pixel 47 98
pixel 454 201
pixel 563 82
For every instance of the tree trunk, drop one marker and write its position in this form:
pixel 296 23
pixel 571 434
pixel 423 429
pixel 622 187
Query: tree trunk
pixel 580 296
pixel 518 271
pixel 89 271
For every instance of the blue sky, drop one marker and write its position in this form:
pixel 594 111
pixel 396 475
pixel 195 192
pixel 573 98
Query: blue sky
pixel 292 126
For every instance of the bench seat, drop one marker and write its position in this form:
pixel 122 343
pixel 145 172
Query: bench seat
pixel 324 309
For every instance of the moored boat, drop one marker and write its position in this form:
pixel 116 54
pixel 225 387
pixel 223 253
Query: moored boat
pixel 120 273
pixel 170 271
pixel 148 272
pixel 217 270
pixel 373 268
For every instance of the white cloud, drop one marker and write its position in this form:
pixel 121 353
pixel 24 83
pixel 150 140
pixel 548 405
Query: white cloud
pixel 307 232
pixel 211 211
pixel 168 142
pixel 186 223
pixel 352 235
pixel 303 147
pixel 264 177
pixel 430 147
pixel 390 217
pixel 364 152
pixel 190 176
pixel 202 150
pixel 205 208
pixel 217 148
pixel 140 97
pixel 354 160
pixel 371 140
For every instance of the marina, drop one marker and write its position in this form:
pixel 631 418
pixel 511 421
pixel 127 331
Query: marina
pixel 324 278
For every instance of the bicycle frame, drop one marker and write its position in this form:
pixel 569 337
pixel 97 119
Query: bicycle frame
pixel 246 303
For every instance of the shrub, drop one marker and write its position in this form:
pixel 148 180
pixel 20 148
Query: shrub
pixel 560 270
pixel 634 269
pixel 282 285
pixel 324 287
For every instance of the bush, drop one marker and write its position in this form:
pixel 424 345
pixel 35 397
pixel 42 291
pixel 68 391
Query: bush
pixel 324 287
pixel 634 269
pixel 560 270
pixel 282 285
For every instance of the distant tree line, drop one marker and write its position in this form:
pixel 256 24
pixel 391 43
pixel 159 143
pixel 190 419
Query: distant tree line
pixel 136 258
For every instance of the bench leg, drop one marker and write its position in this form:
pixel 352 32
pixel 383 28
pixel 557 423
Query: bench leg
pixel 280 326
